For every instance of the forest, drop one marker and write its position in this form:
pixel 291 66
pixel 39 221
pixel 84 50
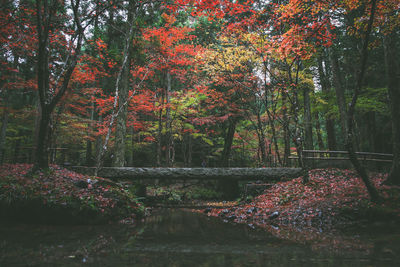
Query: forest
pixel 192 83
pixel 200 84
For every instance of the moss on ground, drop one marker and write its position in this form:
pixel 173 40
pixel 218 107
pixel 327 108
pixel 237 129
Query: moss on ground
pixel 61 196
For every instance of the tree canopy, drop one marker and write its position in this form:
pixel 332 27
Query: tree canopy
pixel 179 83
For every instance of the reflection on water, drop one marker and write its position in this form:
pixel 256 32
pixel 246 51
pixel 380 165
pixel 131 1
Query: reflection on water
pixel 177 238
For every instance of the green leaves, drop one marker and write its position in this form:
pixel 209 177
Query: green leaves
pixel 373 99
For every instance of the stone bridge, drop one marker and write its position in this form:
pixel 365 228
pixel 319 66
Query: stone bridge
pixel 133 173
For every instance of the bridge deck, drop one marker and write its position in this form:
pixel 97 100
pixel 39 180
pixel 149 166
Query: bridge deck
pixel 192 173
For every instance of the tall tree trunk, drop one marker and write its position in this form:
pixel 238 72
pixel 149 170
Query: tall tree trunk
pixel 120 129
pixel 331 135
pixel 226 153
pixel 261 139
pixel 43 81
pixel 340 92
pixel 321 145
pixel 117 105
pixel 271 122
pixel 89 144
pixel 131 155
pixel 329 122
pixel 53 133
pixel 168 130
pixel 3 131
pixel 271 112
pixel 375 197
pixel 308 140
pixel 36 130
pixel 229 188
pixel 308 132
pixel 159 133
pixel 41 143
pixel 286 133
pixel 297 136
pixel 271 160
pixel 276 146
pixel 50 97
pixel 393 84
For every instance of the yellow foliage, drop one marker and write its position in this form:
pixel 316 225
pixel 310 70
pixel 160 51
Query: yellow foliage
pixel 229 56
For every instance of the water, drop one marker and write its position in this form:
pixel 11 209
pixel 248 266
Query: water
pixel 181 238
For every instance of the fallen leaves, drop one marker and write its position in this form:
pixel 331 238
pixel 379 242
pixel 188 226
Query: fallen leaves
pixel 302 212
pixel 60 187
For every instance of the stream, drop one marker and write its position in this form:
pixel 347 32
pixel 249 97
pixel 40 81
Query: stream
pixel 172 237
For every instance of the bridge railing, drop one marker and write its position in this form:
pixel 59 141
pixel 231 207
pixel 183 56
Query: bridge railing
pixel 313 158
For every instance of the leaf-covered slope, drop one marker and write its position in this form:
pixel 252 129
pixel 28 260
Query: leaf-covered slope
pixel 332 196
pixel 61 196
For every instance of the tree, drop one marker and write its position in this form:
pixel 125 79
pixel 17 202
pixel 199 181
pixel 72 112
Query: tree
pixel 221 80
pixel 324 82
pixel 118 106
pixel 123 91
pixel 393 80
pixel 171 50
pixel 52 82
pixel 390 26
pixel 375 197
pixel 16 54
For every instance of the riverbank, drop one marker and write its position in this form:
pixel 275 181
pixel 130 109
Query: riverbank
pixel 334 200
pixel 61 196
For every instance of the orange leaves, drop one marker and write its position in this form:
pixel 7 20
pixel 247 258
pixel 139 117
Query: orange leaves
pixel 212 9
pixel 100 45
pixel 293 45
pixel 166 37
pixel 140 72
pixel 169 19
pixel 307 26
pixel 169 47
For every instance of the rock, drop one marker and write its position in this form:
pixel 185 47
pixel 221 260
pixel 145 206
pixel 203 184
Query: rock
pixel 274 215
pixel 275 227
pixel 251 210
